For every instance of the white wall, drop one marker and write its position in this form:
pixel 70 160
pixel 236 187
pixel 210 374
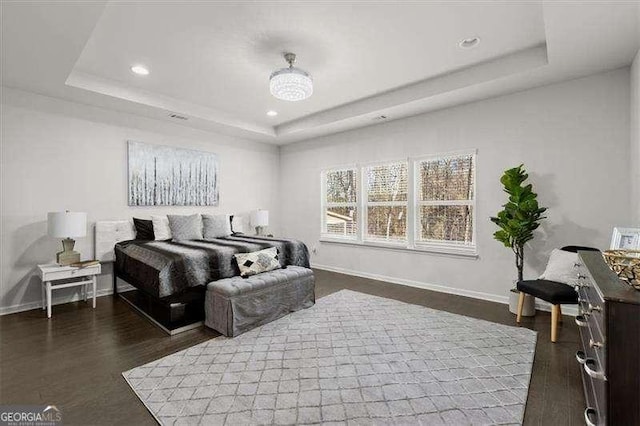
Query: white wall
pixel 573 138
pixel 58 155
pixel 635 141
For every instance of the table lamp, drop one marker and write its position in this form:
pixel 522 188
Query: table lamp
pixel 67 225
pixel 260 219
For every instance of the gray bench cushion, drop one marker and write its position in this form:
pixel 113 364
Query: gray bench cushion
pixel 235 305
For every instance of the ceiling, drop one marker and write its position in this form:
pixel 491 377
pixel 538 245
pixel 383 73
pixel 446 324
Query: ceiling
pixel 210 62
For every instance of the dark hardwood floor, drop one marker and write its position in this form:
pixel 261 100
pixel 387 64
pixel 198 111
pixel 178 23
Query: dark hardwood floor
pixel 75 360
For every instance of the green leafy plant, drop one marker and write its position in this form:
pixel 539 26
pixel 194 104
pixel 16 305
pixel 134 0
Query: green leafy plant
pixel 521 215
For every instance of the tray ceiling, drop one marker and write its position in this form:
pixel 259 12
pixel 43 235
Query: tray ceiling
pixel 210 62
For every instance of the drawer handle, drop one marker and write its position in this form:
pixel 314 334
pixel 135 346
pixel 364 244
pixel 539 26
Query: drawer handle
pixel 594 344
pixel 581 277
pixel 591 372
pixel 582 310
pixel 581 357
pixel 595 308
pixel 587 416
pixel 580 285
pixel 581 321
pixel 577 265
pixel 583 313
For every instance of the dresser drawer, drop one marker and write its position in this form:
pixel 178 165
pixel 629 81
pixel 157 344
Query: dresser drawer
pixel 595 411
pixel 593 379
pixel 592 308
pixel 585 281
pixel 593 342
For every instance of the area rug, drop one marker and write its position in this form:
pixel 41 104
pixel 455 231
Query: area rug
pixel 353 358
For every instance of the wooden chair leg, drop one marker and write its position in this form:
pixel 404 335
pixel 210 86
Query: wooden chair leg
pixel 560 314
pixel 555 309
pixel 520 305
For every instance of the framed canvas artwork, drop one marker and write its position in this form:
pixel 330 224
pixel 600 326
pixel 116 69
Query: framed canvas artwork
pixel 169 176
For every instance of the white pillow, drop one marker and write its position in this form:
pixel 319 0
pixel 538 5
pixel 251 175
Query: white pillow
pixel 561 267
pixel 161 229
pixel 237 224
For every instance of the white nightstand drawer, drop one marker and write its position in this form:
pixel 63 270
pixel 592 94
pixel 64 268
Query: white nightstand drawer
pixel 54 272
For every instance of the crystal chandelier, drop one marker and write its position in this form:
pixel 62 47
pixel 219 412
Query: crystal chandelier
pixel 291 84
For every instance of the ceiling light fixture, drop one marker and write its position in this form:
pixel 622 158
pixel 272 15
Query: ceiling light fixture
pixel 140 70
pixel 291 84
pixel 272 113
pixel 470 42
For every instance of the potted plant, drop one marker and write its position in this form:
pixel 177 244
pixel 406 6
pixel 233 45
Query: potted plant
pixel 520 216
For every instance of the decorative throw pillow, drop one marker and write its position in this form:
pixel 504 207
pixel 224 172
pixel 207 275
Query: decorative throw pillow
pixel 216 226
pixel 561 267
pixel 237 227
pixel 144 229
pixel 161 230
pixel 185 227
pixel 257 261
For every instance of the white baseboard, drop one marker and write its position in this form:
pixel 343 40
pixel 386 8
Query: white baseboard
pixel 571 310
pixel 58 300
pixel 540 305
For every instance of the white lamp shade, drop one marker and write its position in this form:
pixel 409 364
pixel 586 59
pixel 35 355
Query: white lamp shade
pixel 67 224
pixel 260 218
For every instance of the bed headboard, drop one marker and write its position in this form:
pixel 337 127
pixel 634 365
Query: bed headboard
pixel 108 233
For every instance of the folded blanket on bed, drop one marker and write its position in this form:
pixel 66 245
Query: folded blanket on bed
pixel 165 268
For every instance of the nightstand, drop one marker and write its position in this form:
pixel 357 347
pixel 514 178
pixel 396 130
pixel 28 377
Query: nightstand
pixel 51 273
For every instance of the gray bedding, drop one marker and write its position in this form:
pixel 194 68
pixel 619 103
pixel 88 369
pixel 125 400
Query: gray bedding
pixel 166 268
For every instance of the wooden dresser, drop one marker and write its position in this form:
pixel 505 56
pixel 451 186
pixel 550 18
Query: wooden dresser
pixel 609 323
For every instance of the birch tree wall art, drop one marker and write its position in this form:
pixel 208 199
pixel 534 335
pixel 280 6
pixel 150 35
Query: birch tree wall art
pixel 168 176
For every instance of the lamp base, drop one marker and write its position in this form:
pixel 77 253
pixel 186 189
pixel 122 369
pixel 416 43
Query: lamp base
pixel 260 231
pixel 67 256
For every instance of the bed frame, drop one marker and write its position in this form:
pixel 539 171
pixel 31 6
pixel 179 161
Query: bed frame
pixel 173 314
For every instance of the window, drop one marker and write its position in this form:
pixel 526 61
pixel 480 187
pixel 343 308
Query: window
pixel 421 203
pixel 340 207
pixel 445 200
pixel 386 202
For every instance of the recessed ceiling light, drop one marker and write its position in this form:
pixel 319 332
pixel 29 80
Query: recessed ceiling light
pixel 140 70
pixel 470 42
pixel 272 113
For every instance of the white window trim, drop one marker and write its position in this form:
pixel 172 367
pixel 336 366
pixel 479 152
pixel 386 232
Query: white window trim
pixel 422 248
pixel 411 242
pixel 438 245
pixel 324 204
pixel 364 197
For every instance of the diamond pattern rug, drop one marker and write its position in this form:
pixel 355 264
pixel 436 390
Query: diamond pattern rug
pixel 351 359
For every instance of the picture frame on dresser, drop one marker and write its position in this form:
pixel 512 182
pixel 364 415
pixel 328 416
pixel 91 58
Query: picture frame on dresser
pixel 625 239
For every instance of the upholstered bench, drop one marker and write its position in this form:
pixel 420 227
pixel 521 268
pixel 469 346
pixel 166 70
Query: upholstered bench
pixel 235 305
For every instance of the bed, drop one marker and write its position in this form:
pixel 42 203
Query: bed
pixel 169 278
